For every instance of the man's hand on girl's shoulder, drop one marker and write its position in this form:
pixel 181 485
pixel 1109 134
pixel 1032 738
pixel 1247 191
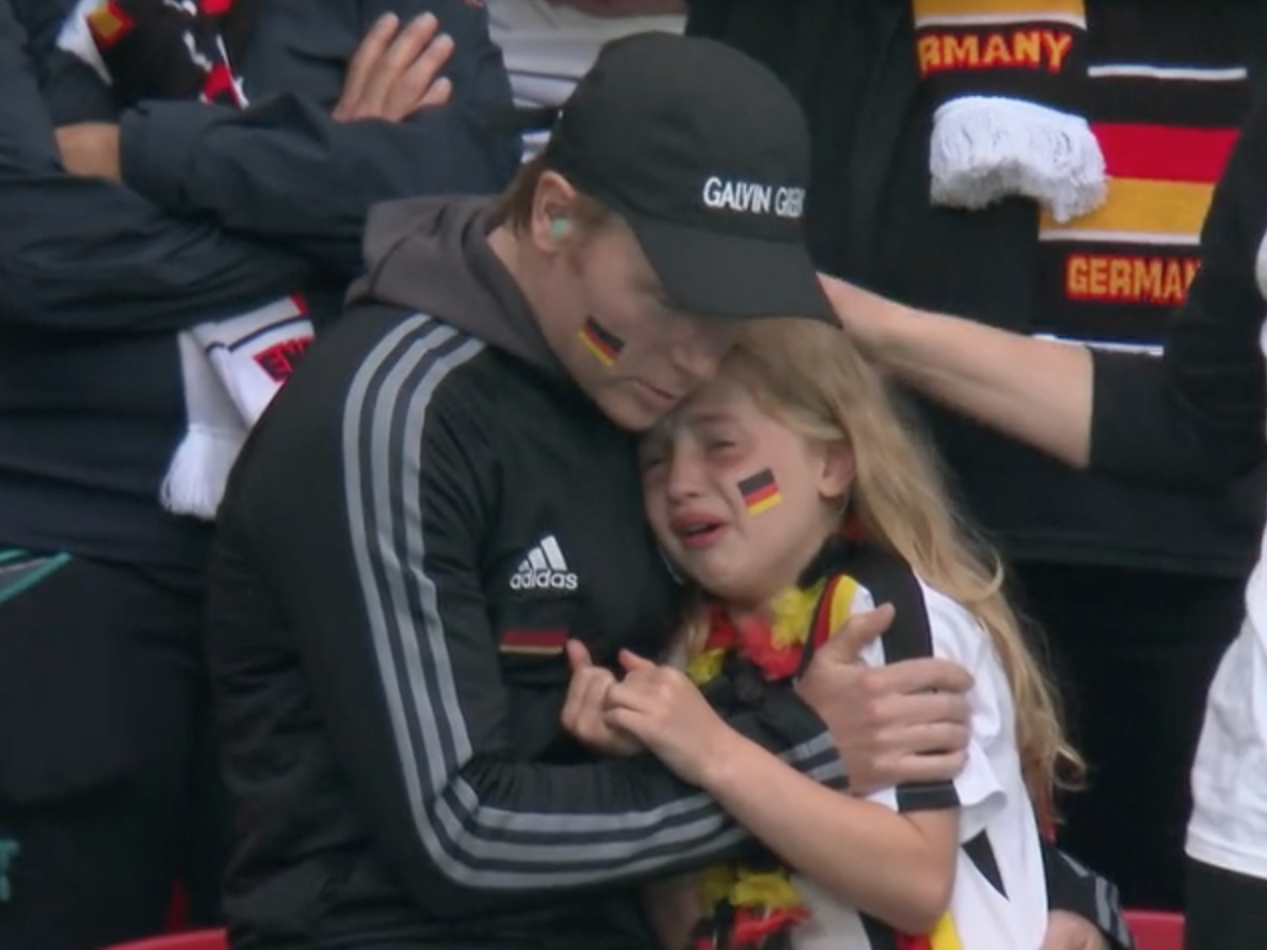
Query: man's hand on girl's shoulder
pixel 904 722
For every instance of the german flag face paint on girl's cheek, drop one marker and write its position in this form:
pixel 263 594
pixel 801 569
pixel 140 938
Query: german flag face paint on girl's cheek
pixel 603 345
pixel 760 492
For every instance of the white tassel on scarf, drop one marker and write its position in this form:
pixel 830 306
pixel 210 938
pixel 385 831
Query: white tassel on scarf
pixel 1003 77
pixel 231 369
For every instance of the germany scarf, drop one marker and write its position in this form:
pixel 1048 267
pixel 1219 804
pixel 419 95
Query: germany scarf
pixel 1001 78
pixel 1166 92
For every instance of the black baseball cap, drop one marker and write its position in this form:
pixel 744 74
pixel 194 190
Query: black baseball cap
pixel 707 155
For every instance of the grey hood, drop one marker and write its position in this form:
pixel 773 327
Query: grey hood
pixel 431 255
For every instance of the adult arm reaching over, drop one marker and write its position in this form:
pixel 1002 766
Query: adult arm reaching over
pixel 1191 418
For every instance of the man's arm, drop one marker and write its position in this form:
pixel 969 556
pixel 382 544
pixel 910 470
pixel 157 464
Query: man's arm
pixel 286 170
pixel 377 565
pixel 79 254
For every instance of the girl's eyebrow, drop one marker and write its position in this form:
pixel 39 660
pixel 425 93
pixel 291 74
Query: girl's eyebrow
pixel 708 416
pixel 687 417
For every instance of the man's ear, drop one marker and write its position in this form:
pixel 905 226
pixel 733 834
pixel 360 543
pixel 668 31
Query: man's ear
pixel 551 206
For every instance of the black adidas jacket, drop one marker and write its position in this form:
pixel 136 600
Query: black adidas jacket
pixel 852 66
pixel 421 521
pixel 425 514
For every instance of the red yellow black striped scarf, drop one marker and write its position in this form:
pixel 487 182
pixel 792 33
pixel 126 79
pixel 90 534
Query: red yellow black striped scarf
pixel 1165 90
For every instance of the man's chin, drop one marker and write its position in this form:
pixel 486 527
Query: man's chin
pixel 630 414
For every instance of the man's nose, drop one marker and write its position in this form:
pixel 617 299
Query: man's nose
pixel 701 349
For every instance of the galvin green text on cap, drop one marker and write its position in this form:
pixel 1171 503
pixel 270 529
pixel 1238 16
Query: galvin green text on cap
pixel 707 156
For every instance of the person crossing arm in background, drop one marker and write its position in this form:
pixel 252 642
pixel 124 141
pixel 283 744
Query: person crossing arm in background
pixel 101 288
pixel 320 146
pixel 85 254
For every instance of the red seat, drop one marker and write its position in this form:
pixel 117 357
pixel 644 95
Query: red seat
pixel 1156 929
pixel 1153 930
pixel 192 940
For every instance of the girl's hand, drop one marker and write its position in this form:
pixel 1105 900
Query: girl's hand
pixel 583 708
pixel 671 717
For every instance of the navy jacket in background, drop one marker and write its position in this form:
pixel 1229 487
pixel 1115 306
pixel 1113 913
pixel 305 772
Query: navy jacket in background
pixel 223 211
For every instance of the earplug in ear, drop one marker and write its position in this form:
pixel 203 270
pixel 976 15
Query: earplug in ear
pixel 558 227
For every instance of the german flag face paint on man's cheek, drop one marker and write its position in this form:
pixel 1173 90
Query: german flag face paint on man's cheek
pixel 760 492
pixel 603 345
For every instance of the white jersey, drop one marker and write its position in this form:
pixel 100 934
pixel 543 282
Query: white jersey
pixel 547 48
pixel 1000 895
pixel 1229 776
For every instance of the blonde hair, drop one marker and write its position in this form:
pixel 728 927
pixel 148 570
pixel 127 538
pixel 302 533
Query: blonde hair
pixel 810 377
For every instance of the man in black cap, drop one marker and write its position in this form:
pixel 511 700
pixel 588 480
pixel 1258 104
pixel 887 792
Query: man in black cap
pixel 447 491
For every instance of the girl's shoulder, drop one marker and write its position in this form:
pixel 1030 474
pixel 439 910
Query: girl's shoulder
pixel 957 632
pixel 927 622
